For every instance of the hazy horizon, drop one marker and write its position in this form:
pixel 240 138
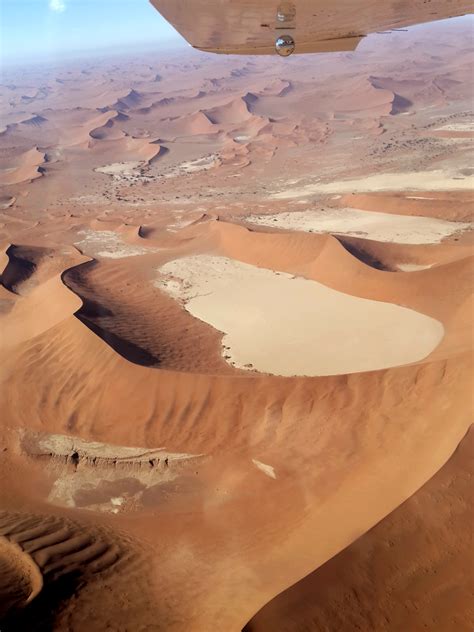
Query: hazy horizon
pixel 49 30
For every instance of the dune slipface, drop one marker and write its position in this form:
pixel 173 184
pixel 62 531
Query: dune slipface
pixel 236 339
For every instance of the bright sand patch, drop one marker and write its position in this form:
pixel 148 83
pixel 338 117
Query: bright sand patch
pixel 107 243
pixel 64 445
pixel 402 229
pixel 263 467
pixel 118 170
pixel 279 324
pixel 412 267
pixel 194 166
pixel 438 180
pixel 105 477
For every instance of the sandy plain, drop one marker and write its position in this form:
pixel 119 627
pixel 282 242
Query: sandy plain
pixel 143 476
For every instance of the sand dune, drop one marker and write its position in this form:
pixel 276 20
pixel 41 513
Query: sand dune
pixel 209 411
pixel 414 556
pixel 382 256
pixel 108 131
pixel 132 390
pixel 65 558
pixel 47 305
pixel 452 205
pixel 6 201
pixel 278 88
pixel 23 168
pixel 236 111
pixel 127 147
pixel 400 104
pixel 135 383
pixel 20 578
pixel 65 128
pixel 130 101
pixel 36 120
pixel 194 124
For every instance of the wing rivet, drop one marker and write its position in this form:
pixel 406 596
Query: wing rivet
pixel 285 45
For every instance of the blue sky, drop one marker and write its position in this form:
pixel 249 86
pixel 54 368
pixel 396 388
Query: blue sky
pixel 32 29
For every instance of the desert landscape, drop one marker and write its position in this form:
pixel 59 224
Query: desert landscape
pixel 236 340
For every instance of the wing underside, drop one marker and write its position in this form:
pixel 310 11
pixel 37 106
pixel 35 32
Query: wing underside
pixel 251 27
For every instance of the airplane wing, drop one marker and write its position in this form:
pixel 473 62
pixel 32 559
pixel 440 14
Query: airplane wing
pixel 251 27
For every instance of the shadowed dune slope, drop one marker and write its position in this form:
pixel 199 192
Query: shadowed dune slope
pixel 419 556
pixel 58 571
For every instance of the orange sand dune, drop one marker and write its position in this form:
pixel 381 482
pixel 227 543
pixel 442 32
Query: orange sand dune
pixel 414 557
pixel 457 205
pixel 20 579
pixel 49 558
pixel 43 300
pixel 81 410
pixel 393 257
pixel 110 130
pixel 64 128
pixel 131 101
pixel 164 467
pixel 187 125
pixel 125 148
pixel 22 168
pixel 235 111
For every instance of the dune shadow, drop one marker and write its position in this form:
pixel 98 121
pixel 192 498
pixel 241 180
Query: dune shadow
pixel 18 269
pixel 93 310
pixel 128 350
pixel 40 614
pixel 362 255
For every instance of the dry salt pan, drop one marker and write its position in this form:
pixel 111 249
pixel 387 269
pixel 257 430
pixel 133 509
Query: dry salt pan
pixel 276 323
pixel 387 227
